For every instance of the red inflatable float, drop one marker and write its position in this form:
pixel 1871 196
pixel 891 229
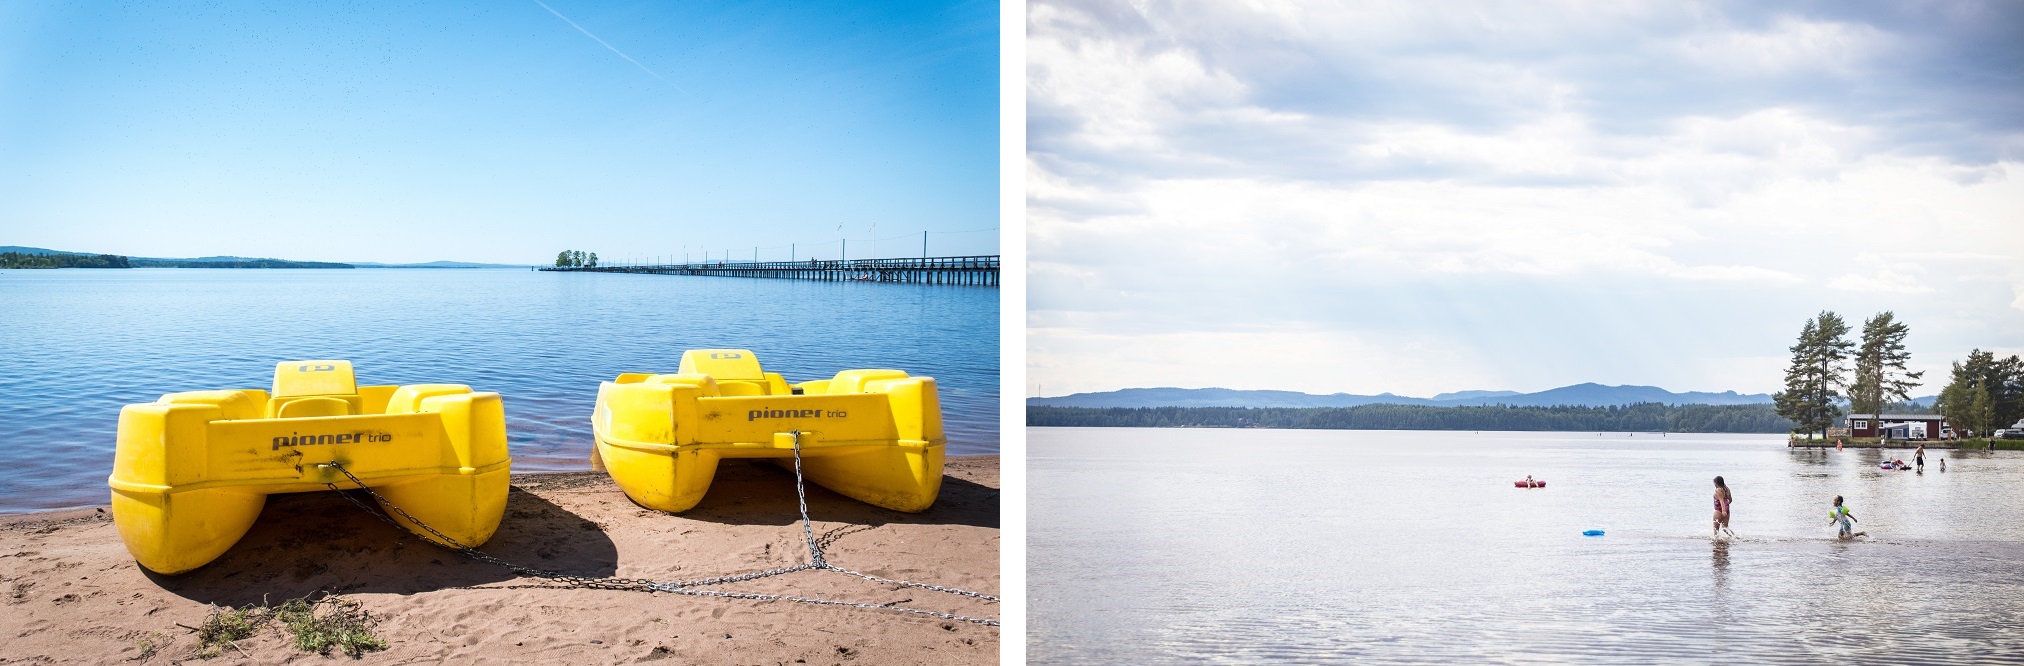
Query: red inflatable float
pixel 1530 484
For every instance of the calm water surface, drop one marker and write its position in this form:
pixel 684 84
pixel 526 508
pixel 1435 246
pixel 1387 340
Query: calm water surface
pixel 1243 546
pixel 76 345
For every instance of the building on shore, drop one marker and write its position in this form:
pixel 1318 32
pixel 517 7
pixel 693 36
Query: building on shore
pixel 1899 426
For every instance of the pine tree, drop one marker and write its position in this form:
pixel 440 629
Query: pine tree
pixel 2006 391
pixel 1880 374
pixel 1814 380
pixel 1984 392
pixel 1981 411
pixel 1792 402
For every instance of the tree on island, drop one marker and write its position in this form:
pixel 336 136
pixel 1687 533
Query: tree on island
pixel 575 259
pixel 1984 392
pixel 1880 374
pixel 1814 380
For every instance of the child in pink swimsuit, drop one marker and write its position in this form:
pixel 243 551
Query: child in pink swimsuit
pixel 1723 498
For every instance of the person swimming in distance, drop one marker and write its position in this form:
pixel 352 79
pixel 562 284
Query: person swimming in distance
pixel 1840 514
pixel 1723 499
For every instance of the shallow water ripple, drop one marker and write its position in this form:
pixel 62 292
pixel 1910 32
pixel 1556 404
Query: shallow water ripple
pixel 1249 546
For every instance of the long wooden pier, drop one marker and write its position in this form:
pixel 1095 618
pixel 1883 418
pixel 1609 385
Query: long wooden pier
pixel 978 271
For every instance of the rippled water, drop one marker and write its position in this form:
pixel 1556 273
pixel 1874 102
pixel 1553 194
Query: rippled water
pixel 76 345
pixel 1172 545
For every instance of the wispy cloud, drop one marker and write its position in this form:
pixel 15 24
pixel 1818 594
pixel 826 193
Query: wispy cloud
pixel 608 46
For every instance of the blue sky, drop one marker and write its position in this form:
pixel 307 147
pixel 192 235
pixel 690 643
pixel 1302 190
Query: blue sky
pixel 498 132
pixel 1424 197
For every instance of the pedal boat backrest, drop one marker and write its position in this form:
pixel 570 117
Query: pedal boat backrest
pixel 735 372
pixel 322 388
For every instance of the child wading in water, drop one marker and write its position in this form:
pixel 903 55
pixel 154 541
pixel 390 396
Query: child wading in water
pixel 1723 498
pixel 1840 514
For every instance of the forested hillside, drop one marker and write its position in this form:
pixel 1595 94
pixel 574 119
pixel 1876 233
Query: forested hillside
pixel 26 260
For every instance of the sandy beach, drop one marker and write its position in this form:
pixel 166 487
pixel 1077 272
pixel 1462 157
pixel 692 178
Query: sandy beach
pixel 71 593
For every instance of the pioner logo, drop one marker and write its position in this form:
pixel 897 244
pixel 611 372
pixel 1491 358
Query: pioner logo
pixel 757 414
pixel 340 438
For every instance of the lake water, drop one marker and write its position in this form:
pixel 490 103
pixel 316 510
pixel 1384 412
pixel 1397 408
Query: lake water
pixel 1244 546
pixel 76 345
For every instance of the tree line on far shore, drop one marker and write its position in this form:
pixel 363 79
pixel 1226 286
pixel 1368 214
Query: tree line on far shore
pixel 24 260
pixel 1983 393
pixel 576 259
pixel 1642 417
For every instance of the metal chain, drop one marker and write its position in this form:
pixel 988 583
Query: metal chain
pixel 800 494
pixel 908 583
pixel 816 560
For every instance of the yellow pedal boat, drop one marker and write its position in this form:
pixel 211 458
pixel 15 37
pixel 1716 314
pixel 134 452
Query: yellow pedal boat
pixel 193 469
pixel 872 435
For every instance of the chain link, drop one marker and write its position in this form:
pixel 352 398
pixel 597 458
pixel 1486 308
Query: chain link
pixel 816 560
pixel 801 495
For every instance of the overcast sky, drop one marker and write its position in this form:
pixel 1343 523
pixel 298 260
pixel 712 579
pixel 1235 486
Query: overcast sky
pixel 1422 197
pixel 499 131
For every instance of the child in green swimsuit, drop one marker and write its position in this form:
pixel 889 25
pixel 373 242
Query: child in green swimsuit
pixel 1840 514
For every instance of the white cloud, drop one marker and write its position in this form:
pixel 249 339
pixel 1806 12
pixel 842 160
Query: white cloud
pixel 1300 359
pixel 1883 281
pixel 1791 45
pixel 1358 173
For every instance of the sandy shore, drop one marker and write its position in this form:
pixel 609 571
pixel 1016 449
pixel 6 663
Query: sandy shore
pixel 69 592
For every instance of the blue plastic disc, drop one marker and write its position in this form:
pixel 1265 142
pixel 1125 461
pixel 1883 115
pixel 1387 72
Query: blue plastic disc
pixel 1592 533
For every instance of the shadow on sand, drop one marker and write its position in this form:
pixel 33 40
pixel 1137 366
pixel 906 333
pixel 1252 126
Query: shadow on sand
pixel 759 492
pixel 309 542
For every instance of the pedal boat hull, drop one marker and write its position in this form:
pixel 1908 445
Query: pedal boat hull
pixel 871 435
pixel 193 470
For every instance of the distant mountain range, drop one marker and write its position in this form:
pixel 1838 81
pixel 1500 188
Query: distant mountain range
pixel 1586 395
pixel 257 262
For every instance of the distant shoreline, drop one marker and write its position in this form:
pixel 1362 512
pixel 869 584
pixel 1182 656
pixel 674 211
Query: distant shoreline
pixel 1643 417
pixel 218 265
pixel 16 256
